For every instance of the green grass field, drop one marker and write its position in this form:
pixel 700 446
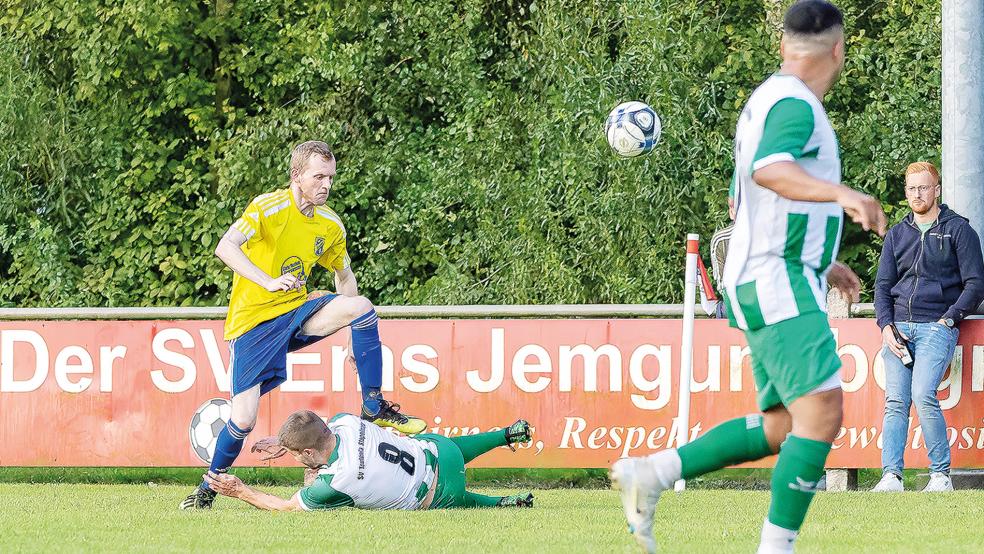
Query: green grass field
pixel 143 518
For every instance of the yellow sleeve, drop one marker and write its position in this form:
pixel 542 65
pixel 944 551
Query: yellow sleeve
pixel 336 258
pixel 250 223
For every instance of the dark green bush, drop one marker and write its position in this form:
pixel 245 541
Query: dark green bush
pixel 472 166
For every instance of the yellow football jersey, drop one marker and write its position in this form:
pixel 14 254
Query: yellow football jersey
pixel 280 239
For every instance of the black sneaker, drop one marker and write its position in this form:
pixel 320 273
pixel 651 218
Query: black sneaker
pixel 516 501
pixel 201 499
pixel 389 416
pixel 518 432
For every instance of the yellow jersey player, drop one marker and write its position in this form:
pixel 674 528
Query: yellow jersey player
pixel 272 249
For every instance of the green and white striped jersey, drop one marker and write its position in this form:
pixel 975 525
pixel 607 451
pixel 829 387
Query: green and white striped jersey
pixel 781 249
pixel 372 468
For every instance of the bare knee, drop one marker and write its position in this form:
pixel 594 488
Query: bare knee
pixel 777 424
pixel 244 423
pixel 339 313
pixel 358 306
pixel 346 309
pixel 818 416
pixel 245 407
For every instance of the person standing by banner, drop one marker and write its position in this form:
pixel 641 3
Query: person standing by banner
pixel 930 277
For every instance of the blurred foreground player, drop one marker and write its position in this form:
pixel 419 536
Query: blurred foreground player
pixel 790 207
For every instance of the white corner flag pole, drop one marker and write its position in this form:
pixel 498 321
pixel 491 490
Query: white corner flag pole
pixel 687 347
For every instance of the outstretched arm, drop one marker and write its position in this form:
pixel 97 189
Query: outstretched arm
pixel 230 485
pixel 789 180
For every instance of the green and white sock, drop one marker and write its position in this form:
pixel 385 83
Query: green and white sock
pixel 733 442
pixel 794 480
pixel 473 446
pixel 776 540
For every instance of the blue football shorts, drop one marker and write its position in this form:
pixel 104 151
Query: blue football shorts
pixel 259 356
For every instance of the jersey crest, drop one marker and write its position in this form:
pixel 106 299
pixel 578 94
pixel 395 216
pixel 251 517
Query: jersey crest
pixel 280 239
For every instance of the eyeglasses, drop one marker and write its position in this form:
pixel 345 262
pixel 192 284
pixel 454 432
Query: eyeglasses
pixel 921 189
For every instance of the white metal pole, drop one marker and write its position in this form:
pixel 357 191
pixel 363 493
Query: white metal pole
pixel 687 346
pixel 963 109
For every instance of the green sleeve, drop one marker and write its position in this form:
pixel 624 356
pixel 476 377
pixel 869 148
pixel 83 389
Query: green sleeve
pixel 338 416
pixel 732 188
pixel 788 128
pixel 321 496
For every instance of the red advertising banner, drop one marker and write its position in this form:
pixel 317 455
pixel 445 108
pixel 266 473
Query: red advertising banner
pixel 123 393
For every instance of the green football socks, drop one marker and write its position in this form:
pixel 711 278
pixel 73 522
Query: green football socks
pixel 794 480
pixel 732 442
pixel 475 500
pixel 473 446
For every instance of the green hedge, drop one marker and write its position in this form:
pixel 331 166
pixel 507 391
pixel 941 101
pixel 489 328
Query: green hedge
pixel 472 166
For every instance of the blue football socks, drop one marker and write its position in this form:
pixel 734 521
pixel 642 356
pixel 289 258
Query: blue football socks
pixel 368 354
pixel 227 448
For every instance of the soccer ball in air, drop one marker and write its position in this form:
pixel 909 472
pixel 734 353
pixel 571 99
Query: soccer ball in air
pixel 632 129
pixel 208 422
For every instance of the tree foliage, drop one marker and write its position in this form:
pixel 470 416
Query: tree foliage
pixel 472 166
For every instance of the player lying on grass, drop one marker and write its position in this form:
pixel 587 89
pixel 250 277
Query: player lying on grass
pixel 359 464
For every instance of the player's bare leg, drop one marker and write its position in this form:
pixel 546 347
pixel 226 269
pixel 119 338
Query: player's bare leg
pixel 245 407
pixel 358 313
pixel 816 419
pixel 777 423
pixel 335 315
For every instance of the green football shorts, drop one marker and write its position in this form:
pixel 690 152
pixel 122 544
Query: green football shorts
pixel 450 472
pixel 792 358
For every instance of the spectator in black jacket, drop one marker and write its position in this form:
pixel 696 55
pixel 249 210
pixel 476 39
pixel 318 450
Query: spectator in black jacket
pixel 930 277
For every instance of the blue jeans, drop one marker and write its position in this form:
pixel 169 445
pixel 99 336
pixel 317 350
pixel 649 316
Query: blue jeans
pixel 933 344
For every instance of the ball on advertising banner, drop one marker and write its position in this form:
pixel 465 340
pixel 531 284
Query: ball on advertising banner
pixel 632 129
pixel 206 425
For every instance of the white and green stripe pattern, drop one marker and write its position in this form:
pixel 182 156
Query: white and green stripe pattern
pixel 372 469
pixel 781 249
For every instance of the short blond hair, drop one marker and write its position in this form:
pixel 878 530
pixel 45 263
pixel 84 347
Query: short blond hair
pixel 302 153
pixel 304 429
pixel 919 167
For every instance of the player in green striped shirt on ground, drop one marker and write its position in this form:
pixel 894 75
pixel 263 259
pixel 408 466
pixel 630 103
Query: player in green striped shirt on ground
pixel 362 465
pixel 790 204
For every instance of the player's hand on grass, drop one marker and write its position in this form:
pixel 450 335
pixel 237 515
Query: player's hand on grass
pixel 888 337
pixel 286 282
pixel 310 476
pixel 863 209
pixel 225 484
pixel 846 281
pixel 270 446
